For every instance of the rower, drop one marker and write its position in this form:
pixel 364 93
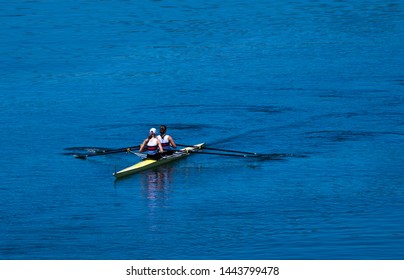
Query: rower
pixel 153 145
pixel 166 141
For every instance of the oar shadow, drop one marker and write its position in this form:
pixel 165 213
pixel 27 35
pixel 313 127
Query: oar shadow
pixel 277 156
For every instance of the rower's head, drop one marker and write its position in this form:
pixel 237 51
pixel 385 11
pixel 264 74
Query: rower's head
pixel 152 131
pixel 163 129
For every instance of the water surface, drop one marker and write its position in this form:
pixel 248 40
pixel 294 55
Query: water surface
pixel 318 81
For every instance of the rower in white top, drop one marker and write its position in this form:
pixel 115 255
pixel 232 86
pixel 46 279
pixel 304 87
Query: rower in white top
pixel 152 145
pixel 166 141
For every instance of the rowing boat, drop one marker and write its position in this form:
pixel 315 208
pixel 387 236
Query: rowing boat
pixel 147 164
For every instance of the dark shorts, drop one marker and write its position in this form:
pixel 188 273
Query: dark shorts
pixel 168 153
pixel 155 156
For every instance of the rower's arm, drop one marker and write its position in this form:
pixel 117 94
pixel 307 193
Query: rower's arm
pixel 160 146
pixel 143 144
pixel 172 143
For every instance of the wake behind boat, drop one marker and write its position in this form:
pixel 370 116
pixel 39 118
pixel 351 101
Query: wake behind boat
pixel 147 164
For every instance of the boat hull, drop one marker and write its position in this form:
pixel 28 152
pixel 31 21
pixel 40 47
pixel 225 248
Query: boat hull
pixel 147 164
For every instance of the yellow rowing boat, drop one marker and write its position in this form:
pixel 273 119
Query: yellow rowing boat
pixel 147 164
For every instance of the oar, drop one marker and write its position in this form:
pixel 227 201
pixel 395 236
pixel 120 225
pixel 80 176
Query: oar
pixel 222 150
pixel 142 156
pixel 242 154
pixel 106 152
pixel 222 154
pixel 259 156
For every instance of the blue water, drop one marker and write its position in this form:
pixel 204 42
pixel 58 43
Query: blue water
pixel 320 82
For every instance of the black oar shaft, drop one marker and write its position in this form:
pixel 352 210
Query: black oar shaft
pixel 221 150
pixel 220 154
pixel 106 152
pixel 230 151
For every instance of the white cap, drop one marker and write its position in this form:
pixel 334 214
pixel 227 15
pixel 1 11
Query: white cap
pixel 152 130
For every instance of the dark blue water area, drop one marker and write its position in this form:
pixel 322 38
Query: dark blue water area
pixel 318 83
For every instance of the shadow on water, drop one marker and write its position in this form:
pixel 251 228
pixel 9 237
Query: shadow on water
pixel 233 136
pixel 280 156
pixel 345 135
